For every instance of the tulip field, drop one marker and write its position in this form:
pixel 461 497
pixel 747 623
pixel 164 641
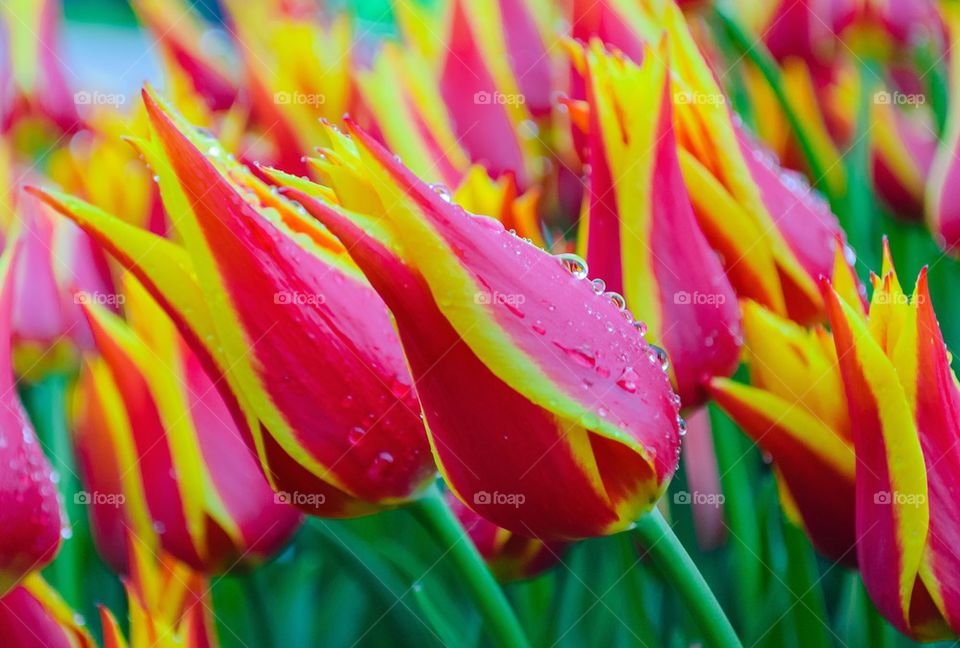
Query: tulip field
pixel 468 323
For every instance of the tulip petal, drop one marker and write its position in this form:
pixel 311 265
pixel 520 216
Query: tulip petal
pixel 815 464
pixel 639 230
pixel 891 490
pixel 29 510
pixel 305 316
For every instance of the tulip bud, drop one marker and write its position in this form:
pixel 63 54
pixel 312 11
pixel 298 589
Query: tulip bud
pixel 904 402
pixel 161 453
pixel 548 413
pixel 33 614
pixel 942 212
pixel 276 311
pixel 639 233
pixel 30 514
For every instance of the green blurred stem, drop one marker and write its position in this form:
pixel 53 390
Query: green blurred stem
pixel 860 216
pixel 756 52
pixel 740 511
pixel 46 404
pixel 663 547
pixel 500 619
pixel 258 609
pixel 808 606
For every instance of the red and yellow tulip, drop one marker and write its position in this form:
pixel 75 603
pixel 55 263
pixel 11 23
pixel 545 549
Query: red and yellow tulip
pixel 30 512
pixel 502 338
pixel 33 614
pixel 169 605
pixel 943 213
pixel 904 405
pixel 305 345
pixel 638 230
pixel 161 454
pixel 775 236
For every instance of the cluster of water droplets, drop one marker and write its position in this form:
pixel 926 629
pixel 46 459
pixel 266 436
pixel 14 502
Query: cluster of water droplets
pixel 577 267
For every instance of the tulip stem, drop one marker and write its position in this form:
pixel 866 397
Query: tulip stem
pixel 663 547
pixel 501 621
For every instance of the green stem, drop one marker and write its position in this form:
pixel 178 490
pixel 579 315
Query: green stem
pixel 488 597
pixel 258 609
pixel 678 568
pixel 758 54
pixel 45 402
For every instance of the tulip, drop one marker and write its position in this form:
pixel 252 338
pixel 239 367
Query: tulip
pixel 282 317
pixel 33 614
pixel 601 428
pixel 942 212
pixel 179 34
pixel 639 233
pixel 32 79
pixel 795 411
pixel 483 74
pixel 407 110
pixel 548 413
pixel 169 605
pixel 510 556
pixel 904 147
pixel 30 514
pixel 58 267
pixel 774 234
pixel 160 450
pixel 904 401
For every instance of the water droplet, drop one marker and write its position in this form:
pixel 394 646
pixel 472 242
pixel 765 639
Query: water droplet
pixel 640 326
pixel 599 286
pixel 574 264
pixel 628 380
pixel 617 300
pixel 582 355
pixel 681 426
pixel 356 434
pixel 442 190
